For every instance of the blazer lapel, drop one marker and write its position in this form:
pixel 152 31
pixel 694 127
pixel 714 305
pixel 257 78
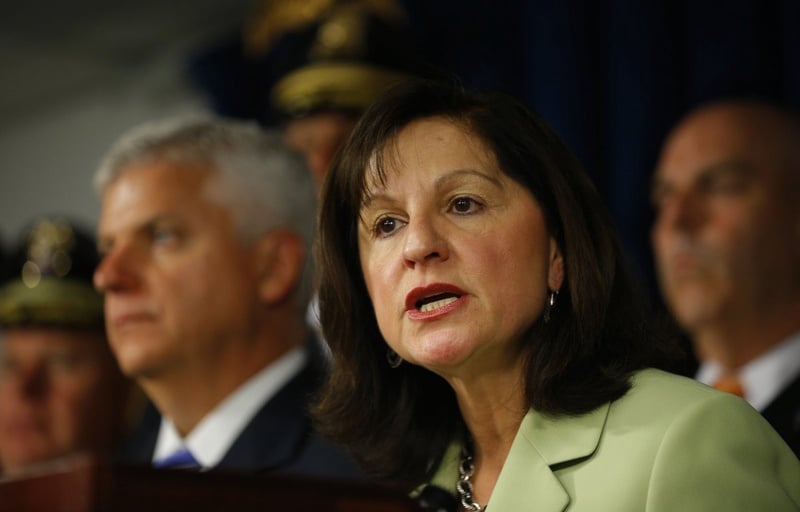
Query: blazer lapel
pixel 139 445
pixel 278 432
pixel 544 444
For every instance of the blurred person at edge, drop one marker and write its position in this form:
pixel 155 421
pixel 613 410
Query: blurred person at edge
pixel 310 68
pixel 61 391
pixel 726 192
pixel 204 233
pixel 487 341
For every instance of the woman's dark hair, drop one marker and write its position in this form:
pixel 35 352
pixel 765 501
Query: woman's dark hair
pixel 398 422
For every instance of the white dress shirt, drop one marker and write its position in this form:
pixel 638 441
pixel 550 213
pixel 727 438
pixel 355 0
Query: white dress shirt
pixel 763 378
pixel 211 439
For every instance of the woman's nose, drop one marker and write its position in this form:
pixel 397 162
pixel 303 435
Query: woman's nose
pixel 424 243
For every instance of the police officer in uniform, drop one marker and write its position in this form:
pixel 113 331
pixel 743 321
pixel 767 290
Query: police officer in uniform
pixel 61 391
pixel 312 67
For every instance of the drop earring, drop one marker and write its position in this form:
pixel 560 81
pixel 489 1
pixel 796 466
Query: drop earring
pixel 393 358
pixel 551 304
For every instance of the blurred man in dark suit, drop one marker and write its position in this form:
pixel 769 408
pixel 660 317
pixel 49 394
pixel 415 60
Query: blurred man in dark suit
pixel 204 234
pixel 727 244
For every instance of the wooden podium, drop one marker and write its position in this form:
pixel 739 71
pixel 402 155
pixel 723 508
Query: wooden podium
pixel 87 485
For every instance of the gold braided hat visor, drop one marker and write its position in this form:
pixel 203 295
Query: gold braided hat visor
pixel 52 302
pixel 345 85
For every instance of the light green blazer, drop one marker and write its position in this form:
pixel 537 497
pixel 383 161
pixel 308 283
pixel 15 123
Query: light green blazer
pixel 669 445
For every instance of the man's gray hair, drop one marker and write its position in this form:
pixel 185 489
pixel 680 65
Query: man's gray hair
pixel 265 184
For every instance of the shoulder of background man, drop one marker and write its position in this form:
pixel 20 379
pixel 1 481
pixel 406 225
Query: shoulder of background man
pixel 783 414
pixel 281 437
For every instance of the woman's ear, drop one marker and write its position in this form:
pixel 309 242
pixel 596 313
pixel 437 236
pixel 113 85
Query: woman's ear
pixel 555 273
pixel 281 258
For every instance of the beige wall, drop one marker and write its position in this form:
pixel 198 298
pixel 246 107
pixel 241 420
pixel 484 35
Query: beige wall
pixel 74 79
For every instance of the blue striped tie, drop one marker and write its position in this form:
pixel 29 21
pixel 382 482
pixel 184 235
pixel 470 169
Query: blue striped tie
pixel 181 459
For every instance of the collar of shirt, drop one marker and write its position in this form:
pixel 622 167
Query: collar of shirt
pixel 211 439
pixel 764 377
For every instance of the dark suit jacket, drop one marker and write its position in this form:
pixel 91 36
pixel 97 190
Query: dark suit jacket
pixel 279 438
pixel 783 414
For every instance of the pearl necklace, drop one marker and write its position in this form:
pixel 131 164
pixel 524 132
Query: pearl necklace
pixel 464 487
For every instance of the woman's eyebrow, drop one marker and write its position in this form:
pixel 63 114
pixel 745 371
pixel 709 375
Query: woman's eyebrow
pixel 444 178
pixel 379 194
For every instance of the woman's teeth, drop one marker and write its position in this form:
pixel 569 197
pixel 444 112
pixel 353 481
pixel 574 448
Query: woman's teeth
pixel 430 306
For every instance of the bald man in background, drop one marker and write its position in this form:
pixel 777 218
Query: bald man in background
pixel 726 239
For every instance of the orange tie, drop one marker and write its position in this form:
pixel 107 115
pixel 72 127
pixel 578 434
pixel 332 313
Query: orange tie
pixel 730 383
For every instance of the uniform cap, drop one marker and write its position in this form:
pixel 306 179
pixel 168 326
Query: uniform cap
pixel 331 54
pixel 49 278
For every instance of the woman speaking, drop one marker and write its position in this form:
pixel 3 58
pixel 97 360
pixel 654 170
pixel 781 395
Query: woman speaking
pixel 486 337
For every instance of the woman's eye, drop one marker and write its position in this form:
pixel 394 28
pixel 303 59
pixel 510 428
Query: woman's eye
pixel 464 205
pixel 386 226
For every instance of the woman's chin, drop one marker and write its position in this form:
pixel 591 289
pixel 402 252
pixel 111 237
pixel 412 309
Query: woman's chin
pixel 441 356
